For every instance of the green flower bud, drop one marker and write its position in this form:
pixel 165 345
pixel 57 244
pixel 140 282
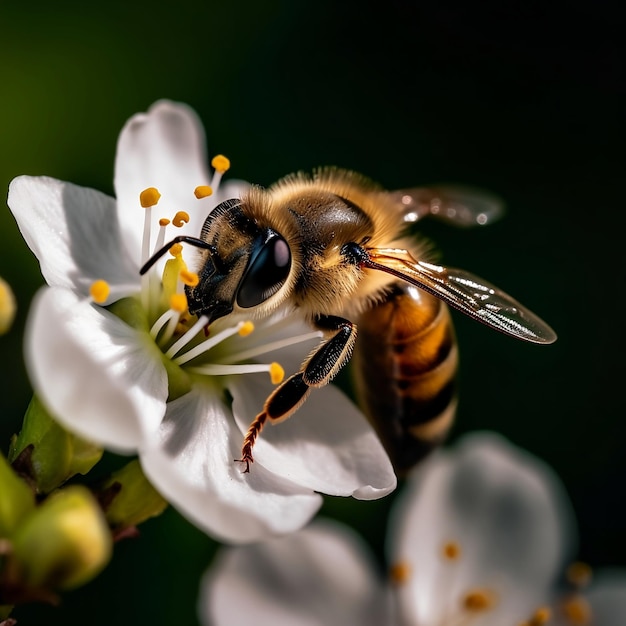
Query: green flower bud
pixel 56 454
pixel 16 499
pixel 133 499
pixel 64 543
pixel 8 307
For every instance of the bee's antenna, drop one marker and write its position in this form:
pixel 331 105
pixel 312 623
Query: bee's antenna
pixel 194 241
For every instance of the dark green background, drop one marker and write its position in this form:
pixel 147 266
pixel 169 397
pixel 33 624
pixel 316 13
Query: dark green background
pixel 524 100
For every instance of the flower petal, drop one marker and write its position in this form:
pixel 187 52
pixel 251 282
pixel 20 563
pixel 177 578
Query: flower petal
pixel 163 148
pixel 321 575
pixel 327 445
pixel 510 517
pixel 99 377
pixel 191 464
pixel 73 232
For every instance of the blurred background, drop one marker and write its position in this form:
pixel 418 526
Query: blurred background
pixel 519 98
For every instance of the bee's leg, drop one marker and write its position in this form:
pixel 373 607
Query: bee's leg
pixel 317 371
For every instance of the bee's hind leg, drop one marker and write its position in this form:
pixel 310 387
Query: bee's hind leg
pixel 317 371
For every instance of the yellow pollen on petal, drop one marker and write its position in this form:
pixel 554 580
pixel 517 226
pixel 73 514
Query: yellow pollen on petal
pixel 400 573
pixel 277 373
pixel 478 600
pixel 540 617
pixel 149 197
pixel 191 279
pixel 220 163
pixel 99 291
pixel 182 217
pixel 451 551
pixel 577 611
pixel 178 302
pixel 202 191
pixel 164 221
pixel 246 328
pixel 176 249
pixel 579 574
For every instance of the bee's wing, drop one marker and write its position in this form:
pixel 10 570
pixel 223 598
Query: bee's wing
pixel 467 293
pixel 456 204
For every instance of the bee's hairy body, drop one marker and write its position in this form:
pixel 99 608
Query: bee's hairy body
pixel 333 248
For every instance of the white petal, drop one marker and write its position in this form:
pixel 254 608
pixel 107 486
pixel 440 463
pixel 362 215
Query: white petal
pixel 508 513
pixel 73 231
pixel 320 576
pixel 97 376
pixel 163 148
pixel 327 445
pixel 192 465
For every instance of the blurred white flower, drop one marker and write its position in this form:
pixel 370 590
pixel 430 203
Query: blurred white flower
pixel 116 358
pixel 480 537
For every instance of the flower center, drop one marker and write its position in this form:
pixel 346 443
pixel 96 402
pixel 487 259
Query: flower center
pixel 473 605
pixel 184 339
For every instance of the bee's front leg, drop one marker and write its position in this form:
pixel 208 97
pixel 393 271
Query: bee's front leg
pixel 318 370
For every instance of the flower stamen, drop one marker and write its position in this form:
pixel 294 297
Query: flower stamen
pixel 99 291
pixel 579 574
pixel 400 573
pixel 478 601
pixel 147 198
pixel 540 617
pixel 175 348
pixel 205 345
pixel 221 164
pixel 203 191
pixel 160 242
pixel 244 355
pixel 577 611
pixel 181 217
pixel 275 370
pixel 191 279
pixel 451 551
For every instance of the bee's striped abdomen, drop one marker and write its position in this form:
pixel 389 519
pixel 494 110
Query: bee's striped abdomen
pixel 405 366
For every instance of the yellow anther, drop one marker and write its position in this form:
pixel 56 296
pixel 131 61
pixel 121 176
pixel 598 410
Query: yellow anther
pixel 149 197
pixel 178 302
pixel 191 279
pixel 220 163
pixel 164 221
pixel 176 250
pixel 7 306
pixel 579 574
pixel 400 573
pixel 451 551
pixel 202 191
pixel 99 291
pixel 577 611
pixel 540 617
pixel 245 329
pixel 180 218
pixel 277 373
pixel 478 600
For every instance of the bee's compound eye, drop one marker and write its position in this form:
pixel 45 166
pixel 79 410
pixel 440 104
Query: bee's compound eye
pixel 266 273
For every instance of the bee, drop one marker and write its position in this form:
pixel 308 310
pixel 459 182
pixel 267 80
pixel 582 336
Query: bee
pixel 334 247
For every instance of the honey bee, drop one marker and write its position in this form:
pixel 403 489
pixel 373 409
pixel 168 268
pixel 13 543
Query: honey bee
pixel 333 246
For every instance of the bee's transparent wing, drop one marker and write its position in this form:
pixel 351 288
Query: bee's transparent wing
pixel 467 293
pixel 456 204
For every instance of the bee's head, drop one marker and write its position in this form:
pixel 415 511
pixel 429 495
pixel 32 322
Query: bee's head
pixel 241 266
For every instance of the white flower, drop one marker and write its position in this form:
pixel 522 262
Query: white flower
pixel 119 373
pixel 479 537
